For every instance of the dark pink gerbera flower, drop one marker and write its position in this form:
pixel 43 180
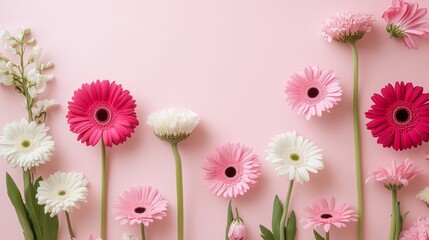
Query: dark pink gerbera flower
pixel 400 116
pixel 102 109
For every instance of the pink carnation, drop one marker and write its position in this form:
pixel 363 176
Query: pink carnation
pixel 347 27
pixel 405 21
pixel 419 230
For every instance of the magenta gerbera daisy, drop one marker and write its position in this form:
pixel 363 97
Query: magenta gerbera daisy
pixel 324 214
pixel 104 110
pixel 400 116
pixel 231 170
pixel 140 205
pixel 312 91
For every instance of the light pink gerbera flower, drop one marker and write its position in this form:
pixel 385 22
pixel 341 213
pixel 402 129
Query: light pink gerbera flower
pixel 347 27
pixel 324 214
pixel 396 176
pixel 400 116
pixel 419 230
pixel 312 91
pixel 405 21
pixel 140 205
pixel 231 170
pixel 102 110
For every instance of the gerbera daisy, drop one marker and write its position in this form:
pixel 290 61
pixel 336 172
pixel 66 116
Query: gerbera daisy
pixel 400 116
pixel 62 192
pixel 405 21
pixel 294 155
pixel 140 205
pixel 173 125
pixel 312 91
pixel 347 27
pixel 324 214
pixel 26 144
pixel 102 109
pixel 231 170
pixel 418 231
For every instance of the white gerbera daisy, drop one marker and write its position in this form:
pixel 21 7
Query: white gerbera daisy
pixel 173 125
pixel 62 192
pixel 294 155
pixel 26 144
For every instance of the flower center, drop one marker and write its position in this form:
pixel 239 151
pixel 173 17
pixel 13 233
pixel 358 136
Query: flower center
pixel 230 172
pixel 402 115
pixel 140 210
pixel 102 115
pixel 62 193
pixel 326 216
pixel 25 143
pixel 294 157
pixel 312 92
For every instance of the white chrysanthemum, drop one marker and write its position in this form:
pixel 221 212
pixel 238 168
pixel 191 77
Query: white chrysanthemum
pixel 129 236
pixel 424 195
pixel 62 192
pixel 294 155
pixel 173 125
pixel 26 144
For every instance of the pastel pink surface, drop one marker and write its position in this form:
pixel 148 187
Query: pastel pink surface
pixel 229 62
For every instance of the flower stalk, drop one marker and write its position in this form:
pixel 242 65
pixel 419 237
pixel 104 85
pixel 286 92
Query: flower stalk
pixel 179 189
pixel 103 191
pixel 69 225
pixel 285 210
pixel 142 231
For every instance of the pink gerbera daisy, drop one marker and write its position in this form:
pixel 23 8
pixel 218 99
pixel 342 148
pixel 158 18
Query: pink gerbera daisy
pixel 312 91
pixel 324 214
pixel 102 110
pixel 397 175
pixel 419 230
pixel 347 27
pixel 231 170
pixel 140 205
pixel 405 21
pixel 400 116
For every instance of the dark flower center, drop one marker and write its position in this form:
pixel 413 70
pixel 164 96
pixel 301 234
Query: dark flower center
pixel 230 172
pixel 312 92
pixel 25 143
pixel 402 115
pixel 62 193
pixel 102 115
pixel 294 157
pixel 140 210
pixel 326 216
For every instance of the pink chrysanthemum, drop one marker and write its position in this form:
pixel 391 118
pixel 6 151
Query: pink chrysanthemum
pixel 324 214
pixel 140 205
pixel 405 21
pixel 419 230
pixel 397 175
pixel 231 170
pixel 400 116
pixel 347 27
pixel 312 91
pixel 102 110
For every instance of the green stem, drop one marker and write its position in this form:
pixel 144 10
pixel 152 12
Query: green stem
pixel 285 211
pixel 142 231
pixel 103 190
pixel 395 223
pixel 358 163
pixel 24 89
pixel 69 225
pixel 179 189
pixel 327 236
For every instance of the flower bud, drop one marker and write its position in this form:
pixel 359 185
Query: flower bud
pixel 4 35
pixel 237 230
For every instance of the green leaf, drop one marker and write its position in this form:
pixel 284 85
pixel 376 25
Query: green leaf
pixel 276 218
pixel 50 229
pixel 32 206
pixel 317 236
pixel 16 199
pixel 228 219
pixel 265 233
pixel 291 226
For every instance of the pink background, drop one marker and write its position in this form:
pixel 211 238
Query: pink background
pixel 228 61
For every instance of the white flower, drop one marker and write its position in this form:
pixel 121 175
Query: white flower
pixel 4 35
pixel 22 31
pixel 26 144
pixel 43 106
pixel 6 79
pixel 10 48
pixel 62 192
pixel 38 82
pixel 173 125
pixel 35 54
pixel 129 236
pixel 294 155
pixel 424 195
